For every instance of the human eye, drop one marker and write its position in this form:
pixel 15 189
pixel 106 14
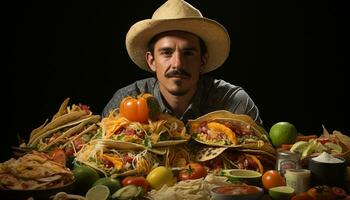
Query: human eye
pixel 189 52
pixel 166 52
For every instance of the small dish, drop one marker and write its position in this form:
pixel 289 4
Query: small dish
pixel 246 176
pixel 237 192
pixel 324 173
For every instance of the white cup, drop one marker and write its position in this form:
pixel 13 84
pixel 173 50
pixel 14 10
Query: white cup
pixel 299 179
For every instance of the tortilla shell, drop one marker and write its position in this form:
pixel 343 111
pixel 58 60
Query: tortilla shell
pixel 169 143
pixel 34 141
pixel 59 121
pixel 235 120
pixel 208 153
pixel 224 114
pixel 119 144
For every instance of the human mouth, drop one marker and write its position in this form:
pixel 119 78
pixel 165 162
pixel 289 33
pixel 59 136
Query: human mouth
pixel 178 74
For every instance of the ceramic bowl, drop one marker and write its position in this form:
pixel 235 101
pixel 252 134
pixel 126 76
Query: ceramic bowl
pixel 237 192
pixel 323 173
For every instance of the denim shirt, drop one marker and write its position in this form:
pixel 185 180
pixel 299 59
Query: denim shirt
pixel 212 94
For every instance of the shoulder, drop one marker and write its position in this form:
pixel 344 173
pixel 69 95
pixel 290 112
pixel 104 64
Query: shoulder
pixel 219 86
pixel 139 86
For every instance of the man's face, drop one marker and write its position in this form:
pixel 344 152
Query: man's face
pixel 177 61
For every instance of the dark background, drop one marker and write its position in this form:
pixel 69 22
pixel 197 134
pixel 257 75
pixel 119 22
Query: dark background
pixel 290 57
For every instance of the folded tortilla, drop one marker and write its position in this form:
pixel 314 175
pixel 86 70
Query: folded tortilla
pixel 108 159
pixel 68 119
pixel 67 133
pixel 223 128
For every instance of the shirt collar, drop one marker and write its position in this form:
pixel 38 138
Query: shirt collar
pixel 193 109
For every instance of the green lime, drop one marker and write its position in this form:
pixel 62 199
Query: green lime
pixel 242 175
pixel 281 192
pixel 283 133
pixel 98 192
pixel 299 146
pixel 85 176
pixel 111 183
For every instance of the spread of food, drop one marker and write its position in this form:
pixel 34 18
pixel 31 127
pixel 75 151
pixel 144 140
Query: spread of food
pixel 137 152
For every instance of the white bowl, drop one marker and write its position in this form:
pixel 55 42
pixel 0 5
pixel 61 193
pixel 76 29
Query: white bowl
pixel 237 192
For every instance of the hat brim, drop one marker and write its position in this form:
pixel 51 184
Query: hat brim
pixel 214 35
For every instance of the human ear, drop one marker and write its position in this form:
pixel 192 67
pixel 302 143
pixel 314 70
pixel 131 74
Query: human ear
pixel 150 61
pixel 204 59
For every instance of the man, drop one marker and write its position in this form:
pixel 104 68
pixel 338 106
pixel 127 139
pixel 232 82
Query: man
pixel 179 45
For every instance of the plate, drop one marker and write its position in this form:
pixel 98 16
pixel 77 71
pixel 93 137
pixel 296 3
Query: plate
pixel 36 194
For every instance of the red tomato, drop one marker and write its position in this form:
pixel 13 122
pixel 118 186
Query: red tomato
pixel 138 181
pixel 302 196
pixel 59 155
pixel 193 171
pixel 339 192
pixel 272 178
pixel 321 192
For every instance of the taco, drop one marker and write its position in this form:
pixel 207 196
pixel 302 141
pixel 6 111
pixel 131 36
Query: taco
pixel 218 158
pixel 111 161
pixel 69 129
pixel 165 131
pixel 223 128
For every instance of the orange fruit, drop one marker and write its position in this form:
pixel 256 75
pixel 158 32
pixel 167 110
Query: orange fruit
pixel 272 178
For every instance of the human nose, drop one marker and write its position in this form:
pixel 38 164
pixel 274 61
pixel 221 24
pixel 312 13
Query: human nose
pixel 177 60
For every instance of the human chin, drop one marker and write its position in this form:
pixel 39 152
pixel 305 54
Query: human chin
pixel 178 92
pixel 178 89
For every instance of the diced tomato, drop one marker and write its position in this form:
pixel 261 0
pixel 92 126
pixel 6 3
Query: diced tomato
pixel 129 131
pixel 128 158
pixel 107 162
pixel 78 143
pixel 59 155
pixel 69 151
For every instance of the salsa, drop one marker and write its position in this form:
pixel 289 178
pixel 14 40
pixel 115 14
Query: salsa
pixel 236 190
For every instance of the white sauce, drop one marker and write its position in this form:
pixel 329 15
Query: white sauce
pixel 325 157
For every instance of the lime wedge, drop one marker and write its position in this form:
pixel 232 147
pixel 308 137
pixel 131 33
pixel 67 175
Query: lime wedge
pixel 281 192
pixel 299 146
pixel 98 192
pixel 335 148
pixel 309 149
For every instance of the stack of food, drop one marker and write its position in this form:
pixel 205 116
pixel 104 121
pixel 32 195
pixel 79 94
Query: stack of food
pixel 34 170
pixel 139 121
pixel 112 160
pixel 69 129
pixel 232 141
pixel 135 139
pixel 336 144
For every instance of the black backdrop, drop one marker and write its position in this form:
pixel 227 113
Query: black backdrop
pixel 290 57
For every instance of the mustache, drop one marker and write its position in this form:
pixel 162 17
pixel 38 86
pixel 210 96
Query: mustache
pixel 177 72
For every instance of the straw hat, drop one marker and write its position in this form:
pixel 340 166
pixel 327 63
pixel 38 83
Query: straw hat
pixel 179 15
